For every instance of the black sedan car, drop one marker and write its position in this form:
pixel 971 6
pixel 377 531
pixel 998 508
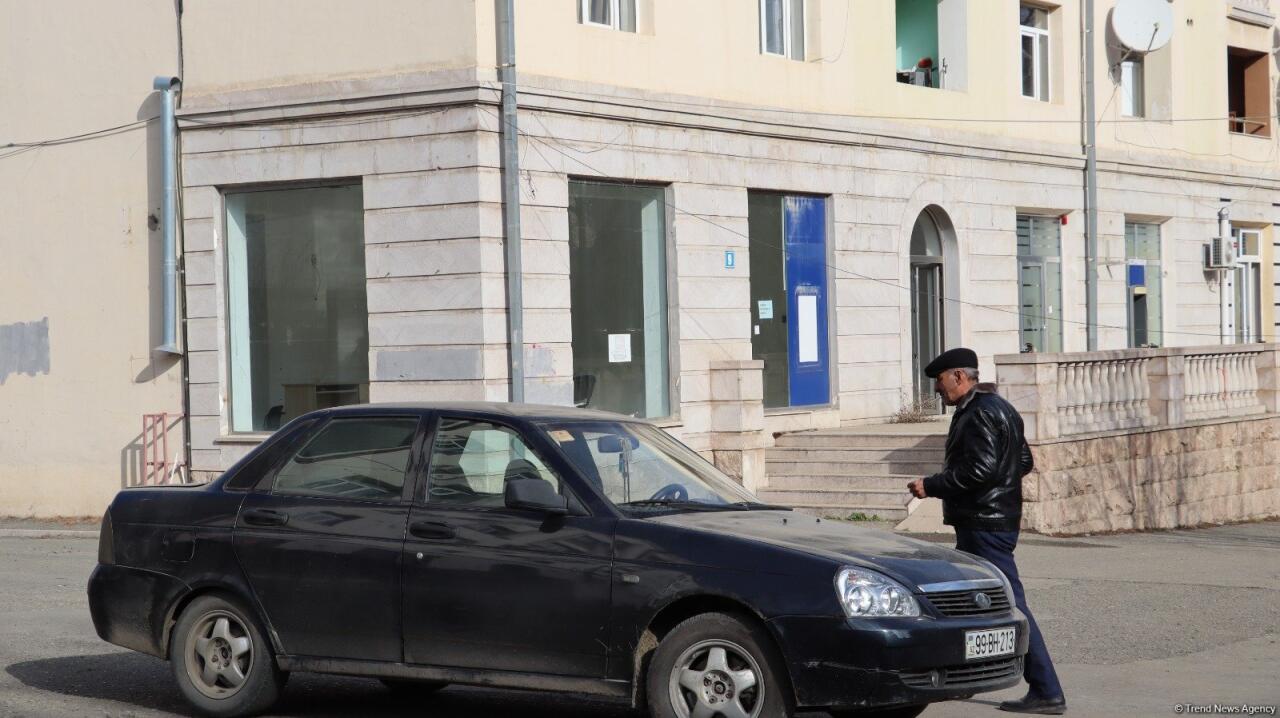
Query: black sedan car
pixel 540 548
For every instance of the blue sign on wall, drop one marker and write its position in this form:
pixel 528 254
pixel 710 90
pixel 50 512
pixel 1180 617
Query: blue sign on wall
pixel 1137 275
pixel 730 259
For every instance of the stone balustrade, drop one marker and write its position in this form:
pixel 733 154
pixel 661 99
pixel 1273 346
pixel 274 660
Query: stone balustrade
pixel 1071 394
pixel 1148 438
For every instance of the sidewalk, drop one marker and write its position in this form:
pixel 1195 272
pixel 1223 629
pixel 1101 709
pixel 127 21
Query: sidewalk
pixel 67 527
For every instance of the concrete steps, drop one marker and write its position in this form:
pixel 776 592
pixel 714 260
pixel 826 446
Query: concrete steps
pixel 806 467
pixel 864 471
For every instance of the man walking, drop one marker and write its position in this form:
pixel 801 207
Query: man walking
pixel 981 491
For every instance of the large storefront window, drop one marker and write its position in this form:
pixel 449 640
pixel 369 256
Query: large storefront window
pixel 297 317
pixel 1040 283
pixel 617 282
pixel 1142 253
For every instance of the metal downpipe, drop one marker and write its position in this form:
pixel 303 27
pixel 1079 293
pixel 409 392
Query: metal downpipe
pixel 1090 185
pixel 1224 309
pixel 511 196
pixel 167 86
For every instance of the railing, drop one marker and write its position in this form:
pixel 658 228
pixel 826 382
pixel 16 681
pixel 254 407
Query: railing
pixel 1103 395
pixel 1070 394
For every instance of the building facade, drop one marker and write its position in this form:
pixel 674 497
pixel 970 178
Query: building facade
pixel 837 189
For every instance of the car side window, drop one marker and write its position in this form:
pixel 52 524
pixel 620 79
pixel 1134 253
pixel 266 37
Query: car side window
pixel 471 462
pixel 364 459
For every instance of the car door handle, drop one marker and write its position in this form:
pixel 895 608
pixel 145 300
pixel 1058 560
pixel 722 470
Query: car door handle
pixel 264 517
pixel 432 530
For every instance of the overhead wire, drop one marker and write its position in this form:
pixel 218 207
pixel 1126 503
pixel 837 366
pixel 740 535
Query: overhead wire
pixel 1014 312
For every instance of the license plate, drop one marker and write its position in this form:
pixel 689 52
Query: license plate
pixel 988 644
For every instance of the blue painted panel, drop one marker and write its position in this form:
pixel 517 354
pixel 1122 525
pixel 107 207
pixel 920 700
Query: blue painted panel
pixel 805 242
pixel 1137 275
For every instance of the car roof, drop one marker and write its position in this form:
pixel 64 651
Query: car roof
pixel 529 412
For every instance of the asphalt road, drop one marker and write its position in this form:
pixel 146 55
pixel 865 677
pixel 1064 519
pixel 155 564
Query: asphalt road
pixel 1136 623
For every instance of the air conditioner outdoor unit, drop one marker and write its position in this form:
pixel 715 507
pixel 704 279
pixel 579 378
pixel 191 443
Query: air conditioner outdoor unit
pixel 1221 253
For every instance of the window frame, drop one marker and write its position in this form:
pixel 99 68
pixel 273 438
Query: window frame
pixel 1037 35
pixel 787 26
pixel 1135 92
pixel 267 484
pixel 1044 262
pixel 222 256
pixel 670 285
pixel 1247 278
pixel 615 15
pixel 1157 265
pixel 547 455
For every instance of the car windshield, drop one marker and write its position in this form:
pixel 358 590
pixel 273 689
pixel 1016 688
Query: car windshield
pixel 641 468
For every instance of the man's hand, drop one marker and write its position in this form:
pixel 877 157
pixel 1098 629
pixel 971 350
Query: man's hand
pixel 917 488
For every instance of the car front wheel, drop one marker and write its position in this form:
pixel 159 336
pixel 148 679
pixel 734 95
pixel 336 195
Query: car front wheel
pixel 221 661
pixel 716 666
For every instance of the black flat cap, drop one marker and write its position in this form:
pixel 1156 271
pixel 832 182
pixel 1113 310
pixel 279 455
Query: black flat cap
pixel 958 358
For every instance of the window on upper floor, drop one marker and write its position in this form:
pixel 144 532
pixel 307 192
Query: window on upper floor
pixel 782 28
pixel 613 14
pixel 1132 86
pixel 1248 92
pixel 931 43
pixel 1034 45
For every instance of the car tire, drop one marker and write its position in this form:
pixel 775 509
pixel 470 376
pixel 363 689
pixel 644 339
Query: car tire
pixel 409 687
pixel 222 663
pixel 715 659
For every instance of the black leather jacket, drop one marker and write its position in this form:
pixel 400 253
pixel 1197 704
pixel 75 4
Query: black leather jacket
pixel 986 458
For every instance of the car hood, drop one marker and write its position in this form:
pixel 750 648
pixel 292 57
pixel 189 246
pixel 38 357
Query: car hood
pixel 909 560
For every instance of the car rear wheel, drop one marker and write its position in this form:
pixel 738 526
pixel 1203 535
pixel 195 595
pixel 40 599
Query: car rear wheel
pixel 716 666
pixel 221 661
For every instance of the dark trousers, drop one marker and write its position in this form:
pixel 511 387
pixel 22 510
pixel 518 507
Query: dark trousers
pixel 997 547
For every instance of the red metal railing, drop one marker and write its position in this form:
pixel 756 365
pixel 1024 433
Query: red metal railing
pixel 155 449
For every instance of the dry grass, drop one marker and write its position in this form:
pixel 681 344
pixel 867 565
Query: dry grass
pixel 916 411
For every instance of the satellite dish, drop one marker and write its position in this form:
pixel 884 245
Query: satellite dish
pixel 1143 25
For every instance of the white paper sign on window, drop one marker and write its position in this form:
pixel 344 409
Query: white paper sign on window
pixel 619 348
pixel 764 308
pixel 807 307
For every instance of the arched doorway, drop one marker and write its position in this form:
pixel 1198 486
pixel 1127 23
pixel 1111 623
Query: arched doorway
pixel 928 303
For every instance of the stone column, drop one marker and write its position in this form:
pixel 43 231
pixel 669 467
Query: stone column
pixel 1167 374
pixel 1032 388
pixel 1269 378
pixel 738 440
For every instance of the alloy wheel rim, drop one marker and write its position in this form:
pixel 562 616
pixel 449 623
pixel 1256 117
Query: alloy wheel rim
pixel 219 654
pixel 716 678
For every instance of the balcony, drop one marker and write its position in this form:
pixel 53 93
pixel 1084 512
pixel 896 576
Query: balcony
pixel 1254 12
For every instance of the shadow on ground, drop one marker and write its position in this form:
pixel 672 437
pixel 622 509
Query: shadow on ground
pixel 145 682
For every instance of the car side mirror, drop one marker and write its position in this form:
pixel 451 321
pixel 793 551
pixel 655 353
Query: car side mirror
pixel 534 495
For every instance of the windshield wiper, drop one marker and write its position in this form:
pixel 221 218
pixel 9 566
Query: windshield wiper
pixel 672 503
pixel 759 506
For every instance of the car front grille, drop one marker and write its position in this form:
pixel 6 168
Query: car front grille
pixel 966 603
pixel 973 674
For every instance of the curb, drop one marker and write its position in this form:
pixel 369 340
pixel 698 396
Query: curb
pixel 43 533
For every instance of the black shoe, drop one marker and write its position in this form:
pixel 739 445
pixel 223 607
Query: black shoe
pixel 1035 704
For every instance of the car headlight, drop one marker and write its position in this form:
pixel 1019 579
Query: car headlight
pixel 867 594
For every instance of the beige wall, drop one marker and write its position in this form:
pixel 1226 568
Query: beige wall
pixel 76 249
pixel 710 49
pixel 248 44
